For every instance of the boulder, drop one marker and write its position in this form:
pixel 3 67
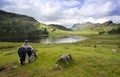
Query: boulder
pixel 63 60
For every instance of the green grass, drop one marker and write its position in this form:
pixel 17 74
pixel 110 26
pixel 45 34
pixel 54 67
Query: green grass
pixel 91 58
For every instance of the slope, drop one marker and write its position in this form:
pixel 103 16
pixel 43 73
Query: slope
pixel 15 26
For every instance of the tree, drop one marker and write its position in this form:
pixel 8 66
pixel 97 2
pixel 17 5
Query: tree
pixel 45 31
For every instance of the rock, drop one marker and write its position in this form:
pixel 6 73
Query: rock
pixel 63 61
pixel 15 66
pixel 114 50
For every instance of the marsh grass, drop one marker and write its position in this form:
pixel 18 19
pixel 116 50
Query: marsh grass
pixel 91 58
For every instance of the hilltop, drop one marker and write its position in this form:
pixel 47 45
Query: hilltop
pixel 108 23
pixel 79 26
pixel 10 18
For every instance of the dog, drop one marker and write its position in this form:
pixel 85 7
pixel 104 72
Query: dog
pixel 22 55
pixel 26 55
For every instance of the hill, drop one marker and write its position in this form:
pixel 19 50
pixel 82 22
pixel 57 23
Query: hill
pixel 60 27
pixel 55 29
pixel 82 26
pixel 96 27
pixel 7 17
pixel 15 26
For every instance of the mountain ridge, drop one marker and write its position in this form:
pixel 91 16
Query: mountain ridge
pixel 86 25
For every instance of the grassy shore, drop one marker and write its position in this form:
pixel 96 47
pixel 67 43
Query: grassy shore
pixel 98 56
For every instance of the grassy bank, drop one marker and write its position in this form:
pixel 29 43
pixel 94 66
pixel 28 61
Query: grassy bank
pixel 98 56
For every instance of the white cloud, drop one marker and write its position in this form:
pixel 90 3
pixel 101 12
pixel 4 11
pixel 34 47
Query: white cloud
pixel 71 3
pixel 114 18
pixel 97 8
pixel 67 12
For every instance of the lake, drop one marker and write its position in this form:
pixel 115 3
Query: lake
pixel 65 39
pixel 50 40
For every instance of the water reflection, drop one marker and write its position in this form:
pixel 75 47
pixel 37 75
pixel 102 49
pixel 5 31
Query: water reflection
pixel 65 39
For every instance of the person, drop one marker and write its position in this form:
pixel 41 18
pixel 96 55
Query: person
pixel 26 53
pixel 26 45
pixel 28 48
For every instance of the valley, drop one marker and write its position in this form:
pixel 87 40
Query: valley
pixel 97 56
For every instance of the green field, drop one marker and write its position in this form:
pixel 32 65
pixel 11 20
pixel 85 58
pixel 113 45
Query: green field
pixel 98 56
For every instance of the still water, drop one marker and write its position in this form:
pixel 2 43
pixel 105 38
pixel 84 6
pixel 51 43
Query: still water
pixel 65 39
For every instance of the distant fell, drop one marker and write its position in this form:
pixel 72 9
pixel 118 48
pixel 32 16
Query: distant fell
pixel 82 26
pixel 60 27
pixel 88 25
pixel 107 23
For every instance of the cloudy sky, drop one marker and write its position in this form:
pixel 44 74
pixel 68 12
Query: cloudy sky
pixel 65 12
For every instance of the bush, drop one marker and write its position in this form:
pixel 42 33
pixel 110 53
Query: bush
pixel 114 31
